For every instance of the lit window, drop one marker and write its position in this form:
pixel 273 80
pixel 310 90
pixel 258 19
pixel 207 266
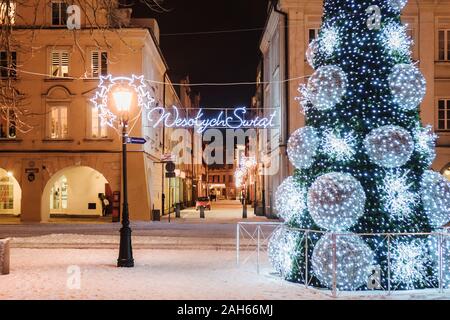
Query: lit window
pixel 7 124
pixel 99 63
pixel 60 63
pixel 59 13
pixel 6 194
pixel 8 64
pixel 312 34
pixel 58 123
pixel 444 114
pixel 7 13
pixel 97 130
pixel 444 45
pixel 59 194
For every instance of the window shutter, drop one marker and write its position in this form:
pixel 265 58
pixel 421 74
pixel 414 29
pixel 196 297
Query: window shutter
pixel 95 64
pixel 65 59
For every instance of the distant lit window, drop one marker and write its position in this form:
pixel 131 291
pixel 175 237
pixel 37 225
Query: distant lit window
pixel 58 123
pixel 444 114
pixel 59 13
pixel 8 64
pixel 444 45
pixel 99 63
pixel 7 13
pixel 98 131
pixel 60 63
pixel 7 124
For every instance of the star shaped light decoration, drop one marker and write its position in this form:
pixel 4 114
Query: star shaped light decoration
pixel 106 84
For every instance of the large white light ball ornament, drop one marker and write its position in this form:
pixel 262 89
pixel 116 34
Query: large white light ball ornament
pixel 408 86
pixel 290 200
pixel 397 5
pixel 353 260
pixel 283 248
pixel 389 146
pixel 302 147
pixel 311 52
pixel 326 87
pixel 435 193
pixel 336 201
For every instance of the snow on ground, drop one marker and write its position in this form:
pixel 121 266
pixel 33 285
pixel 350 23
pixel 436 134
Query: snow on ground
pixel 169 274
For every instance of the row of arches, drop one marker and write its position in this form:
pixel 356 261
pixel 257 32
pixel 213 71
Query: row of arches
pixel 72 191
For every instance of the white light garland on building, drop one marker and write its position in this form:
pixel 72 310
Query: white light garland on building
pixel 311 52
pixel 339 147
pixel 290 200
pixel 283 249
pixel 410 262
pixel 408 86
pixel 325 88
pixel 398 198
pixel 425 143
pixel 302 147
pixel 435 192
pixel 353 261
pixel 396 40
pixel 389 146
pixel 397 5
pixel 336 201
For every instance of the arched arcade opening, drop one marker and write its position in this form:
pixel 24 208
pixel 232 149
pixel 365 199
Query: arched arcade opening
pixel 75 192
pixel 10 194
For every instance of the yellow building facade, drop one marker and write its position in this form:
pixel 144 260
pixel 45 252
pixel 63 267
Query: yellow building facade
pixel 56 157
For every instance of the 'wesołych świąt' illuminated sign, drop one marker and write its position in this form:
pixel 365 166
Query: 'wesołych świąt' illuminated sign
pixel 171 118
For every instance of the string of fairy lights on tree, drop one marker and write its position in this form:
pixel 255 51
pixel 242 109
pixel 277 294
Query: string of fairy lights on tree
pixel 362 160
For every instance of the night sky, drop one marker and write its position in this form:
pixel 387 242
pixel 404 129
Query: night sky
pixel 222 57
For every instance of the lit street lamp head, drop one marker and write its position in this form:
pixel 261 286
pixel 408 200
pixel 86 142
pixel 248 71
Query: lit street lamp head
pixel 122 99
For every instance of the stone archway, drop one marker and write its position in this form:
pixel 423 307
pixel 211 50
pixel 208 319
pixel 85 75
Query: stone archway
pixel 74 192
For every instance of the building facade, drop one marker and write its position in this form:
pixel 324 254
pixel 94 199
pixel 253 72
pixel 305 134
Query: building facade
pixel 56 156
pixel 293 24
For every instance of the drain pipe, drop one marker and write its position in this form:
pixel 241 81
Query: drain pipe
pixel 163 196
pixel 286 68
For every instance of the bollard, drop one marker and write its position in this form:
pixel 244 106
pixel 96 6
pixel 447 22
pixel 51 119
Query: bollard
pixel 178 210
pixel 4 256
pixel 202 212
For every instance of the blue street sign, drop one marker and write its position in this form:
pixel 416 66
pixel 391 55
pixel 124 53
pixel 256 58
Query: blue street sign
pixel 133 140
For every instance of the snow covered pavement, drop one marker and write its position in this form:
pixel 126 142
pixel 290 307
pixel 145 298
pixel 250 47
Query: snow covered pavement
pixel 159 274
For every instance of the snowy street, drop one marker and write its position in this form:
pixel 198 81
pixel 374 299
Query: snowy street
pixel 159 274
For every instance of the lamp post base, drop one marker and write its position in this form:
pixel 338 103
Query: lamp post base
pixel 126 252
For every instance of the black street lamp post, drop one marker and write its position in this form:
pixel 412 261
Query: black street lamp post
pixel 123 103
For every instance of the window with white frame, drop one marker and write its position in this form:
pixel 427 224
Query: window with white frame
pixel 8 64
pixel 99 63
pixel 59 13
pixel 7 124
pixel 7 13
pixel 444 45
pixel 58 127
pixel 98 131
pixel 60 63
pixel 444 114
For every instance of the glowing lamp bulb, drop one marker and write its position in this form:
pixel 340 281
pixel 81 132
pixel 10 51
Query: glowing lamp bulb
pixel 9 174
pixel 123 99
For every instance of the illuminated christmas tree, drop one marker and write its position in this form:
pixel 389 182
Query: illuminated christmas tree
pixel 363 160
